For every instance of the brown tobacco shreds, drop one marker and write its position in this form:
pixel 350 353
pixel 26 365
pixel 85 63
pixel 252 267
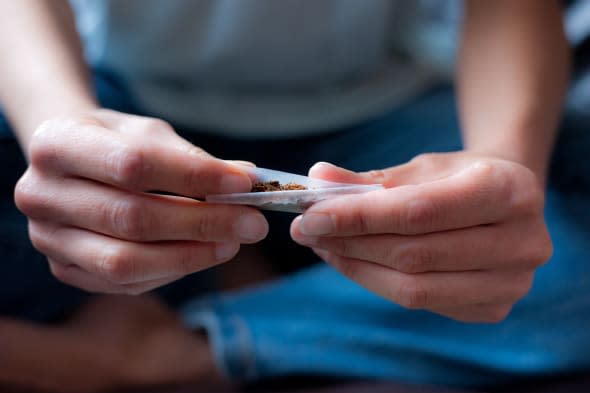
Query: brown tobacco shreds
pixel 275 186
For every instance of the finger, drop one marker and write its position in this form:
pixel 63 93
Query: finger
pixel 480 194
pixel 501 246
pixel 423 168
pixel 140 216
pixel 476 313
pixel 123 262
pixel 434 290
pixel 134 163
pixel 79 278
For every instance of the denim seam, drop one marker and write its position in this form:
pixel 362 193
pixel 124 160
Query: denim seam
pixel 208 321
pixel 230 338
pixel 243 353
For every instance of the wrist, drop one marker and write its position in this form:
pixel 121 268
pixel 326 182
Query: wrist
pixel 25 123
pixel 522 135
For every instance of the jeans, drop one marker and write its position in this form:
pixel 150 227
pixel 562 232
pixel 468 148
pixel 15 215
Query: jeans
pixel 316 322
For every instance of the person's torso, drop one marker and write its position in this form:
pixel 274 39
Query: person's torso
pixel 255 65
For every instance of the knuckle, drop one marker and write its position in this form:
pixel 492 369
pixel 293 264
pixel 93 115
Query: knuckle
pixel 27 195
pixel 153 124
pixel 545 250
pixel 484 167
pixel 415 259
pixel 66 274
pixel 38 237
pixel 525 194
pixel 412 294
pixel 42 147
pixel 524 284
pixel 427 162
pixel 494 179
pixel 116 265
pixel 419 216
pixel 197 151
pixel 541 252
pixel 427 159
pixel 127 166
pixel 127 217
pixel 360 222
pixel 497 314
pixel 43 238
pixel 203 227
pixel 516 285
pixel 60 272
pixel 193 179
pixel 536 251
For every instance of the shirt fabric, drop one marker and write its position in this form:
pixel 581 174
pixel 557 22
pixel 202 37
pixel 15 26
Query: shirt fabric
pixel 266 67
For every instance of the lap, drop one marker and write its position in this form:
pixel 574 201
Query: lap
pixel 318 313
pixel 427 124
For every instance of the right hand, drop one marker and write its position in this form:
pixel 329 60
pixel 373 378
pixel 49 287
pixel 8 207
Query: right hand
pixel 86 196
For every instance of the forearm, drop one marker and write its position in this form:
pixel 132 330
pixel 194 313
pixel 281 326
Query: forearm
pixel 512 76
pixel 42 69
pixel 44 358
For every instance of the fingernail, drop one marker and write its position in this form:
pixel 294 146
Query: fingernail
pixel 233 182
pixel 318 166
pixel 251 227
pixel 225 251
pixel 242 163
pixel 316 224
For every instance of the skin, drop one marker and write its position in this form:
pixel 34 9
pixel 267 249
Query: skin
pixel 89 211
pixel 461 234
pixel 435 239
pixel 85 195
pixel 85 191
pixel 113 342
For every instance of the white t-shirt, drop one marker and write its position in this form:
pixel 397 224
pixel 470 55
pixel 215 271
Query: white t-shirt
pixel 265 67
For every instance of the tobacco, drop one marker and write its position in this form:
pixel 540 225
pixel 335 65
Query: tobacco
pixel 275 186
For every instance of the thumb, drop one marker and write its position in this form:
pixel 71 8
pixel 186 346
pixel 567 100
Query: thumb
pixel 331 172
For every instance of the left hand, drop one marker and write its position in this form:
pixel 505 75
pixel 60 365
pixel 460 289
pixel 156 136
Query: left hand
pixel 460 234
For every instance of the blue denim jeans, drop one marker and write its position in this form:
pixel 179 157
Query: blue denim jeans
pixel 316 322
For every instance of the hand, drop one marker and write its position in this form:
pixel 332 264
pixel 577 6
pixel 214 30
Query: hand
pixel 139 342
pixel 86 196
pixel 458 234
